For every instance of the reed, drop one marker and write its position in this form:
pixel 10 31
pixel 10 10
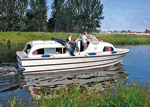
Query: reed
pixel 123 94
pixel 116 39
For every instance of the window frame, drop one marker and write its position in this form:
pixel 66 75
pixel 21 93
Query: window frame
pixel 26 48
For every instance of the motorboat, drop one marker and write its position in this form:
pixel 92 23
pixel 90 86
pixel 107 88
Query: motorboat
pixel 57 55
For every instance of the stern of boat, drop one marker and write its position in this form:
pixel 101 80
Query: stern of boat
pixel 20 55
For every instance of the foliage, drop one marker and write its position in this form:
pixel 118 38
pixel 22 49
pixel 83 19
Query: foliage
pixel 12 14
pixel 13 102
pixel 67 15
pixel 16 17
pixel 123 94
pixel 57 15
pixel 36 16
pixel 87 14
pixel 147 31
pixel 76 15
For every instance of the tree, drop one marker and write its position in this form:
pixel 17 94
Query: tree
pixel 123 31
pixel 57 14
pixel 129 31
pixel 147 31
pixel 76 15
pixel 115 31
pixel 36 16
pixel 87 14
pixel 51 24
pixel 12 14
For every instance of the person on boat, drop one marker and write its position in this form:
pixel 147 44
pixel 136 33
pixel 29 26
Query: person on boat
pixel 73 46
pixel 85 40
pixel 69 40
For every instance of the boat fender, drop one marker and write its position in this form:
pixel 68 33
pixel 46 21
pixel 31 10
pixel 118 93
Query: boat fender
pixel 45 56
pixel 22 69
pixel 92 53
pixel 113 52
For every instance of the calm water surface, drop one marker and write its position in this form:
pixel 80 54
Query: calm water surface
pixel 136 64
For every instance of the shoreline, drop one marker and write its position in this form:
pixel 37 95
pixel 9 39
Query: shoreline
pixel 115 39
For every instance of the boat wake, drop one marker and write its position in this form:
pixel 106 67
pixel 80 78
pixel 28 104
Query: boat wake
pixel 8 69
pixel 10 78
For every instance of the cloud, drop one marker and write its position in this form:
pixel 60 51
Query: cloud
pixel 120 20
pixel 146 21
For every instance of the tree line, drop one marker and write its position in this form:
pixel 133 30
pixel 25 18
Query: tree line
pixel 66 16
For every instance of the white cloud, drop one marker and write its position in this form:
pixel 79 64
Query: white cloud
pixel 146 21
pixel 120 20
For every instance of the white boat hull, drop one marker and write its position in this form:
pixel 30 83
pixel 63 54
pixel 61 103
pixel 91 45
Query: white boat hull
pixel 45 65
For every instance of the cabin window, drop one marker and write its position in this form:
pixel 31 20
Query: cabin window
pixel 54 50
pixel 108 48
pixel 39 51
pixel 27 48
pixel 50 50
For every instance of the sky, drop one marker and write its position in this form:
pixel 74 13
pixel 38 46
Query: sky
pixel 120 15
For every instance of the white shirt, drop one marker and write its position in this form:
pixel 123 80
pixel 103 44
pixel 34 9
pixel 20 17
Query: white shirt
pixel 69 38
pixel 84 39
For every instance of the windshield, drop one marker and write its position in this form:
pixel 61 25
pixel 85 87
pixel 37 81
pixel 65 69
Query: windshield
pixel 93 38
pixel 90 37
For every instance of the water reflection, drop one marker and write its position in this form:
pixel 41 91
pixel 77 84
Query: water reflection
pixel 11 80
pixel 54 81
pixel 13 83
pixel 8 52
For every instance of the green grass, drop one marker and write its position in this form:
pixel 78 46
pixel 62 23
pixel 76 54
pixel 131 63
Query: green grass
pixel 121 95
pixel 116 39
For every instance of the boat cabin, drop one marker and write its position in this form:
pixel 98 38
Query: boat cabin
pixel 55 47
pixel 43 48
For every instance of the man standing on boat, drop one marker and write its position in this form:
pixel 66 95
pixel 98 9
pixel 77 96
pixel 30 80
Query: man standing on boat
pixel 85 40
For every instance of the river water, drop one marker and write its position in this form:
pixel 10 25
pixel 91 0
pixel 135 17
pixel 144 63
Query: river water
pixel 136 66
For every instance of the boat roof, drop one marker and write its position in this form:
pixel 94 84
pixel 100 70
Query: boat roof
pixel 45 42
pixel 35 42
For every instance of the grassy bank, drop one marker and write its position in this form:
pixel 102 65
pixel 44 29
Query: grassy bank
pixel 121 95
pixel 116 39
